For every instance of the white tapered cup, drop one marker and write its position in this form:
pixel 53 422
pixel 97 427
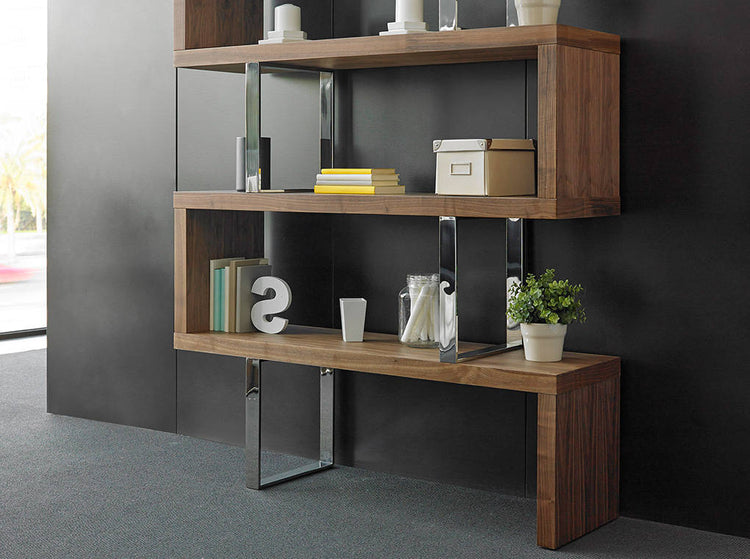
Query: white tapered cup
pixel 353 318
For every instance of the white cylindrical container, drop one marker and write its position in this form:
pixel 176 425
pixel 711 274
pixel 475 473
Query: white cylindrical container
pixel 543 342
pixel 537 12
pixel 410 10
pixel 287 17
pixel 353 319
pixel 239 181
pixel 268 17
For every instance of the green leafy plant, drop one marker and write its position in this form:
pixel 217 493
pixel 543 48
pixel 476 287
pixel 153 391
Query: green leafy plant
pixel 545 300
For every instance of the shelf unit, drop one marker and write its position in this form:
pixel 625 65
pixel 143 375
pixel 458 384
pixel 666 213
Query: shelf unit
pixel 577 177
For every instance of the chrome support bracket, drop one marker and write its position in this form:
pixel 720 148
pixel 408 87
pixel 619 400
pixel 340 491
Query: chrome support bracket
pixel 253 73
pixel 253 477
pixel 449 306
pixel 252 126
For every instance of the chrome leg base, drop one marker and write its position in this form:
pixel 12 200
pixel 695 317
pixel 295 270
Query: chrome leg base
pixel 307 469
pixel 253 479
pixel 489 350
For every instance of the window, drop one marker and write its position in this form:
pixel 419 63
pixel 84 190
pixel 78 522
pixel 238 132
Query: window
pixel 23 165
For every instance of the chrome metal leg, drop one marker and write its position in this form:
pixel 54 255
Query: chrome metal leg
pixel 252 126
pixel 254 479
pixel 252 423
pixel 326 415
pixel 448 333
pixel 515 262
pixel 326 119
pixel 449 305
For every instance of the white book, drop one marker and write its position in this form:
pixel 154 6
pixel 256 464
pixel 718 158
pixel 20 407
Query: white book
pixel 246 276
pixel 226 300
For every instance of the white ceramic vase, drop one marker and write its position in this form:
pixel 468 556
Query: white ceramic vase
pixel 543 342
pixel 537 12
pixel 353 318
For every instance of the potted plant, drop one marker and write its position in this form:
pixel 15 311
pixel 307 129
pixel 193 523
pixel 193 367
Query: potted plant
pixel 544 306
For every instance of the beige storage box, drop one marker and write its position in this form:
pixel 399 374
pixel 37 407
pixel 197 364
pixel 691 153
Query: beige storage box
pixel 485 167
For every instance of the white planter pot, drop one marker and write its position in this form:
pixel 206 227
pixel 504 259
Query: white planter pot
pixel 537 12
pixel 543 342
pixel 353 319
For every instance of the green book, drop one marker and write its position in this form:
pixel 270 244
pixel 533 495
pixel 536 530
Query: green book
pixel 216 294
pixel 214 265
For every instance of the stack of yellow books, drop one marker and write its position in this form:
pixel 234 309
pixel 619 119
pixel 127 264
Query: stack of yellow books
pixel 358 181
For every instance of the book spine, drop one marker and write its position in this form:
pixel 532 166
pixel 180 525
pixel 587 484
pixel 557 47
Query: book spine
pixel 357 171
pixel 327 189
pixel 363 180
pixel 225 302
pixel 211 296
pixel 217 300
pixel 231 296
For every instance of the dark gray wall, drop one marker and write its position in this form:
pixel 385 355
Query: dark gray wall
pixel 655 277
pixel 111 178
pixel 665 278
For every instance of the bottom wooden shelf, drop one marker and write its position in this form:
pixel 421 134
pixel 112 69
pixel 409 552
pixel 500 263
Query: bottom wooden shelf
pixel 383 354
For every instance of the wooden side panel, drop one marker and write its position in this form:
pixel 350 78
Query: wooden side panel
pixel 579 123
pixel 547 122
pixel 218 23
pixel 199 237
pixel 578 462
pixel 180 271
pixel 179 24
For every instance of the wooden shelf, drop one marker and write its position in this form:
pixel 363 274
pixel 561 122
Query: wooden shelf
pixel 410 204
pixel 455 47
pixel 383 354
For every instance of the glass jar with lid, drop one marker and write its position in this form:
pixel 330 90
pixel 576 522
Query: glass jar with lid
pixel 418 311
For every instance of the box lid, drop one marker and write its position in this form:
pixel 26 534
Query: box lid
pixel 481 145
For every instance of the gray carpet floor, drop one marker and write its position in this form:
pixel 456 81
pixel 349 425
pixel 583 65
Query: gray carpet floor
pixel 76 488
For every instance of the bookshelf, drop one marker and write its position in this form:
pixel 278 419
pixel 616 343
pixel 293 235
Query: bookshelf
pixel 577 177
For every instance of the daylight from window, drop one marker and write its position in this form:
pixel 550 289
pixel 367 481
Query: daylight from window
pixel 23 165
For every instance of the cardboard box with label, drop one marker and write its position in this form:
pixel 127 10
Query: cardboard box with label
pixel 485 167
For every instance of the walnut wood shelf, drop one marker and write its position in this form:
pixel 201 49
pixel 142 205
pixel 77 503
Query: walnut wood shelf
pixel 383 354
pixel 455 47
pixel 408 204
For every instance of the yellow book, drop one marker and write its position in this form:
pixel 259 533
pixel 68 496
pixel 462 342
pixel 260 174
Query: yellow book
pixel 347 189
pixel 357 171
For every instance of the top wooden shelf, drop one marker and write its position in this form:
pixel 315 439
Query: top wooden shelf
pixel 449 47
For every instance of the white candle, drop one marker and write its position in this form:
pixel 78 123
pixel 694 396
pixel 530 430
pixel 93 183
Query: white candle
pixel 287 17
pixel 409 10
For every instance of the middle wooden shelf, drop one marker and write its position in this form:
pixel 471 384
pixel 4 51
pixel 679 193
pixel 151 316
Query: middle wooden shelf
pixel 528 207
